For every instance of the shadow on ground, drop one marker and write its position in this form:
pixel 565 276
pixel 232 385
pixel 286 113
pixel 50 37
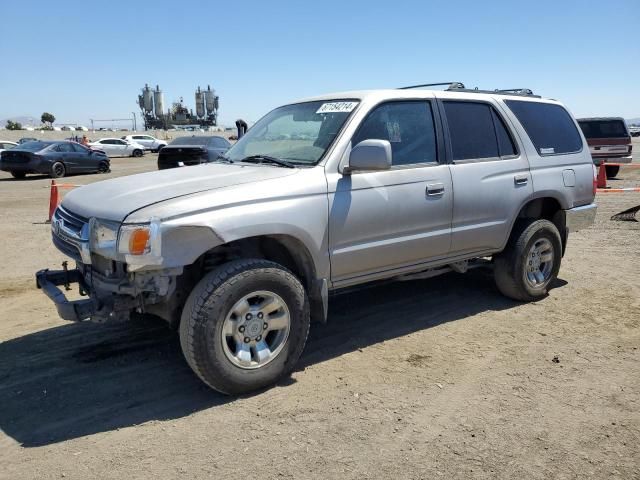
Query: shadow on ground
pixel 80 379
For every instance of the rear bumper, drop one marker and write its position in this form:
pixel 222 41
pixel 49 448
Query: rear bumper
pixel 579 218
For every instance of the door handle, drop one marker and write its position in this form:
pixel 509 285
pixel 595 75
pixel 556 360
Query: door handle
pixel 435 189
pixel 521 179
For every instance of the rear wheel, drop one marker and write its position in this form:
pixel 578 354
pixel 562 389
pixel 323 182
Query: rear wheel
pixel 531 261
pixel 612 170
pixel 18 175
pixel 245 325
pixel 58 170
pixel 138 153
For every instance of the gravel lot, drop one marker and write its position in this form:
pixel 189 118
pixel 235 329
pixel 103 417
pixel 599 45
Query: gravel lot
pixel 424 379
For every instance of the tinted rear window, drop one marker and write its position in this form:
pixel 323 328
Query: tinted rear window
pixel 603 128
pixel 549 126
pixel 33 146
pixel 190 141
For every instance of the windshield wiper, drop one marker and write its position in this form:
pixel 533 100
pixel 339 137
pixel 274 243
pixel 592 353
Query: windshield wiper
pixel 268 159
pixel 224 158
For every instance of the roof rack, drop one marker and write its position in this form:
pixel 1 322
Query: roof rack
pixel 523 92
pixel 459 87
pixel 452 85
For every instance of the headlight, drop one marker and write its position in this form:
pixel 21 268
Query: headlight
pixel 135 239
pixel 103 235
pixel 140 243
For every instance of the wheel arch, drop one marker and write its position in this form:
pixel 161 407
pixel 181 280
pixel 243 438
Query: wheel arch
pixel 547 207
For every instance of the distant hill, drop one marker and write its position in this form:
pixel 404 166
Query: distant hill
pixel 633 121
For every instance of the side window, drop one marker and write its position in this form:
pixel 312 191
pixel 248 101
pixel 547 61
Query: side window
pixel 78 148
pixel 408 126
pixel 549 126
pixel 506 146
pixel 65 147
pixel 140 137
pixel 477 131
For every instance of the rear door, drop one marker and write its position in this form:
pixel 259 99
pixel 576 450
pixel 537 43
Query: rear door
pixel 68 156
pixel 490 174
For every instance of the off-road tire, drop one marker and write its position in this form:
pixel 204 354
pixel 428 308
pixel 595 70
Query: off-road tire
pixel 510 264
pixel 58 170
pixel 18 175
pixel 612 171
pixel 207 307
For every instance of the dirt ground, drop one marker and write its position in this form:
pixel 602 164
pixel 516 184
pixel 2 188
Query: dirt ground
pixel 439 378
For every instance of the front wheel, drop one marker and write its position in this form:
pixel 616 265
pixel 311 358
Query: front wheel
pixel 58 170
pixel 18 175
pixel 245 325
pixel 531 261
pixel 103 167
pixel 138 153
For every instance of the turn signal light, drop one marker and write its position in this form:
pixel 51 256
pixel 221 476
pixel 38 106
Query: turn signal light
pixel 138 241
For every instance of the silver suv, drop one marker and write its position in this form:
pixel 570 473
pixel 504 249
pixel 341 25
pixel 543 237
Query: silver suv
pixel 322 194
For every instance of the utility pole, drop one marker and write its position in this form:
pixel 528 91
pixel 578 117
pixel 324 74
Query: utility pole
pixel 135 127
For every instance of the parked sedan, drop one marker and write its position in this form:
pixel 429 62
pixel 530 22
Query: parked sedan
pixel 147 141
pixel 185 151
pixel 116 147
pixel 6 145
pixel 53 158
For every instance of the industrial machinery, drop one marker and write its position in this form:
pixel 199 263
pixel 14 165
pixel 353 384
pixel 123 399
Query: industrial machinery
pixel 151 103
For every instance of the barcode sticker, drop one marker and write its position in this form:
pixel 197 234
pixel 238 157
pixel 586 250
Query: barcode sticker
pixel 337 107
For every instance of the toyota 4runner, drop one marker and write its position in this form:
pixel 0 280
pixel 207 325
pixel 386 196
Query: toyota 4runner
pixel 322 194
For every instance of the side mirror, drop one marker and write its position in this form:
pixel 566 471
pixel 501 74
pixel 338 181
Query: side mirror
pixel 370 155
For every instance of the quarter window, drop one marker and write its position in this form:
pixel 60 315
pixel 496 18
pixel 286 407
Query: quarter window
pixel 409 128
pixel 477 131
pixel 549 126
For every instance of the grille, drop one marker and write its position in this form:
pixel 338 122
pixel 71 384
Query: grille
pixel 69 249
pixel 71 220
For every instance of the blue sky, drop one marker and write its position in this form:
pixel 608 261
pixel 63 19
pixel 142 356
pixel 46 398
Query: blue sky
pixel 82 60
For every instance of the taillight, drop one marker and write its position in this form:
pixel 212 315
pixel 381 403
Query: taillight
pixel 630 148
pixel 595 179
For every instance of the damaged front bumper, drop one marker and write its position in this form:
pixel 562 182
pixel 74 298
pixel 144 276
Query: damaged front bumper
pixel 109 299
pixel 75 311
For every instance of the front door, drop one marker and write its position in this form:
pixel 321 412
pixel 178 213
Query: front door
pixel 490 174
pixel 386 221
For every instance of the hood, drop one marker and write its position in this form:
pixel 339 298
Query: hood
pixel 116 198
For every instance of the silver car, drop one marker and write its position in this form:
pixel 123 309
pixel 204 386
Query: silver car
pixel 322 194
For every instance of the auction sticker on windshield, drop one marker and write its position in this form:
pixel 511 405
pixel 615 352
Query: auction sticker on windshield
pixel 337 107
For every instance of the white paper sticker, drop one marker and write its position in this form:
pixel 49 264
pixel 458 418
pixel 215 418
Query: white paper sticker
pixel 547 151
pixel 337 107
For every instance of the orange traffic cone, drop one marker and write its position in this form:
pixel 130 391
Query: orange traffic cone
pixel 602 176
pixel 54 199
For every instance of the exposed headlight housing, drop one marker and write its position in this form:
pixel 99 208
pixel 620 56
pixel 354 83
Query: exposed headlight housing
pixel 103 236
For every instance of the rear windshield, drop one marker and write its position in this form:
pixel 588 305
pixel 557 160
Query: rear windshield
pixel 603 128
pixel 33 146
pixel 190 141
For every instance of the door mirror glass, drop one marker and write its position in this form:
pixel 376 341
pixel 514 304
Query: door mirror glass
pixel 370 155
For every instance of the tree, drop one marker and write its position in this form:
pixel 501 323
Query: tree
pixel 47 117
pixel 11 125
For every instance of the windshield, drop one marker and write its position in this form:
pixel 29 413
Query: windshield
pixel 33 146
pixel 299 133
pixel 190 141
pixel 603 128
